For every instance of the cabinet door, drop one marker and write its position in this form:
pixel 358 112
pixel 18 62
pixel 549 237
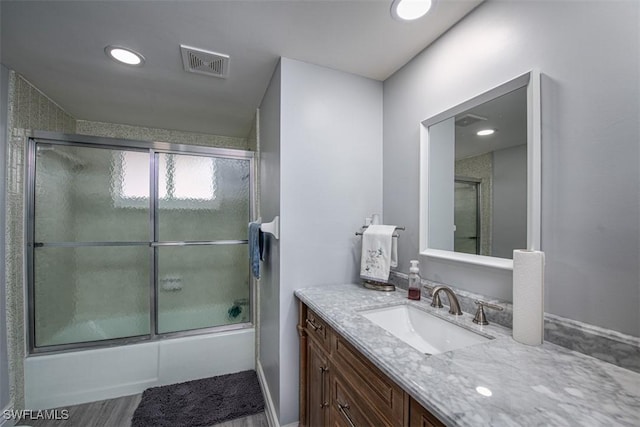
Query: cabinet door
pixel 317 386
pixel 371 384
pixel 348 409
pixel 420 417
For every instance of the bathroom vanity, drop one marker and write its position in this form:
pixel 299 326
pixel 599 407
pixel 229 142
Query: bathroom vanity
pixel 340 386
pixel 354 372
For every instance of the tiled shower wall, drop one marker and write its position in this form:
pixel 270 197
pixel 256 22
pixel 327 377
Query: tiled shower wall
pixel 30 110
pixel 111 130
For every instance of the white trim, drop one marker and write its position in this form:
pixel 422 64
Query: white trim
pixel 534 162
pixel 531 81
pixel 270 409
pixel 424 188
pixel 487 261
pixel 3 421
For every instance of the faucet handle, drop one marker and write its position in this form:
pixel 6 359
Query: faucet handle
pixel 480 317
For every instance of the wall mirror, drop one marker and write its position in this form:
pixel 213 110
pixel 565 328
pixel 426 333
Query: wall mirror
pixel 480 176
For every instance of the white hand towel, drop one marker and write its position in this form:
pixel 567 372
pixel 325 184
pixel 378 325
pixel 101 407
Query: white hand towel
pixel 377 245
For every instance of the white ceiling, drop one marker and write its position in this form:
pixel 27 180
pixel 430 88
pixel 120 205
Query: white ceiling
pixel 59 47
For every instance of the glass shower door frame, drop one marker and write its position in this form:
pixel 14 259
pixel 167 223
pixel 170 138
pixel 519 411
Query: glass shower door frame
pixel 477 184
pixel 156 243
pixel 153 149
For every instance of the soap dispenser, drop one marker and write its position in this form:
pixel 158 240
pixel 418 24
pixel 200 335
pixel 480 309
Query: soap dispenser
pixel 414 280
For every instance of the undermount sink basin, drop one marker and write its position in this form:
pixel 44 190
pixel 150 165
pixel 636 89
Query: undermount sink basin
pixel 421 330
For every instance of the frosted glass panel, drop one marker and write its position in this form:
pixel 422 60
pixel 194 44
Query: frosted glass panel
pixel 466 217
pixel 90 293
pixel 202 198
pixel 86 194
pixel 92 258
pixel 202 286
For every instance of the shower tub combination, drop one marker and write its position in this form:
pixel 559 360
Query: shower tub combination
pixel 137 266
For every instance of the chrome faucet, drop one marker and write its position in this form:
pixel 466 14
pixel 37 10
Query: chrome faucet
pixel 454 305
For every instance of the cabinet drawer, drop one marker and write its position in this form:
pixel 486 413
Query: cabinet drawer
pixel 372 384
pixel 317 329
pixel 348 409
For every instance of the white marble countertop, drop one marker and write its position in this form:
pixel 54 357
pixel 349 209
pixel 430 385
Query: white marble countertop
pixel 544 385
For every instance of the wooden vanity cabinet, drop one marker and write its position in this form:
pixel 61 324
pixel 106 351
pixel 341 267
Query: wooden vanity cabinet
pixel 318 381
pixel 420 417
pixel 314 369
pixel 348 408
pixel 341 387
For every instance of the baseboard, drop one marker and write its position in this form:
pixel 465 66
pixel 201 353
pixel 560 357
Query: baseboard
pixel 270 409
pixel 5 422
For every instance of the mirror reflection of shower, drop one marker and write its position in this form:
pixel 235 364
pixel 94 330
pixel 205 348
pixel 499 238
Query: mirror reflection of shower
pixel 467 216
pixel 478 178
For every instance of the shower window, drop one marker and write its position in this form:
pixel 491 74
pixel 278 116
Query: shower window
pixel 176 180
pixel 130 242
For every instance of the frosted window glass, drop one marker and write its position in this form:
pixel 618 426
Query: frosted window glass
pixel 135 171
pixel 194 178
pixel 204 198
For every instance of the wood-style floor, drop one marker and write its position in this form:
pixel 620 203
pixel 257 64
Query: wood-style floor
pixel 118 413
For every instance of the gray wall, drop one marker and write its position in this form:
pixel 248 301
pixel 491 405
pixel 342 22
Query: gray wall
pixel 509 213
pixel 331 170
pixel 324 177
pixel 4 364
pixel 442 142
pixel 269 285
pixel 589 55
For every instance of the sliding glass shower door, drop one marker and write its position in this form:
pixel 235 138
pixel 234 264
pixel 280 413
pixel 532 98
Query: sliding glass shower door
pixel 201 221
pixel 467 216
pixel 128 242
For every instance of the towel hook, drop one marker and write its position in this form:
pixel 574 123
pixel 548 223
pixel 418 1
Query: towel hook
pixel 272 227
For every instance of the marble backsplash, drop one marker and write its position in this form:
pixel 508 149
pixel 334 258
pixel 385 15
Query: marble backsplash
pixel 604 344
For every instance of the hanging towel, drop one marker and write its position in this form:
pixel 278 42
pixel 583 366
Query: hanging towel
pixel 377 245
pixel 255 248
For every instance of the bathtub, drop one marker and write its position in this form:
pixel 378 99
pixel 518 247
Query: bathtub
pixel 82 376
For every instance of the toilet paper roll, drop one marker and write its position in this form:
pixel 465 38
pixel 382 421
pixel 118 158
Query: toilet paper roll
pixel 528 297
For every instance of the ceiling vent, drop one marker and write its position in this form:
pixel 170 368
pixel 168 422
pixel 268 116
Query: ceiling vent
pixel 468 119
pixel 204 62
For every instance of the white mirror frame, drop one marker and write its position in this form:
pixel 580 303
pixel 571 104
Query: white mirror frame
pixel 534 171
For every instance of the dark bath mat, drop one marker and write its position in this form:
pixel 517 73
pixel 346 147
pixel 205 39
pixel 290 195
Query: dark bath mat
pixel 200 402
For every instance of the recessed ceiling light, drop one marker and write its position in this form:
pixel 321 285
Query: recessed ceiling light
pixel 124 55
pixel 408 10
pixel 485 132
